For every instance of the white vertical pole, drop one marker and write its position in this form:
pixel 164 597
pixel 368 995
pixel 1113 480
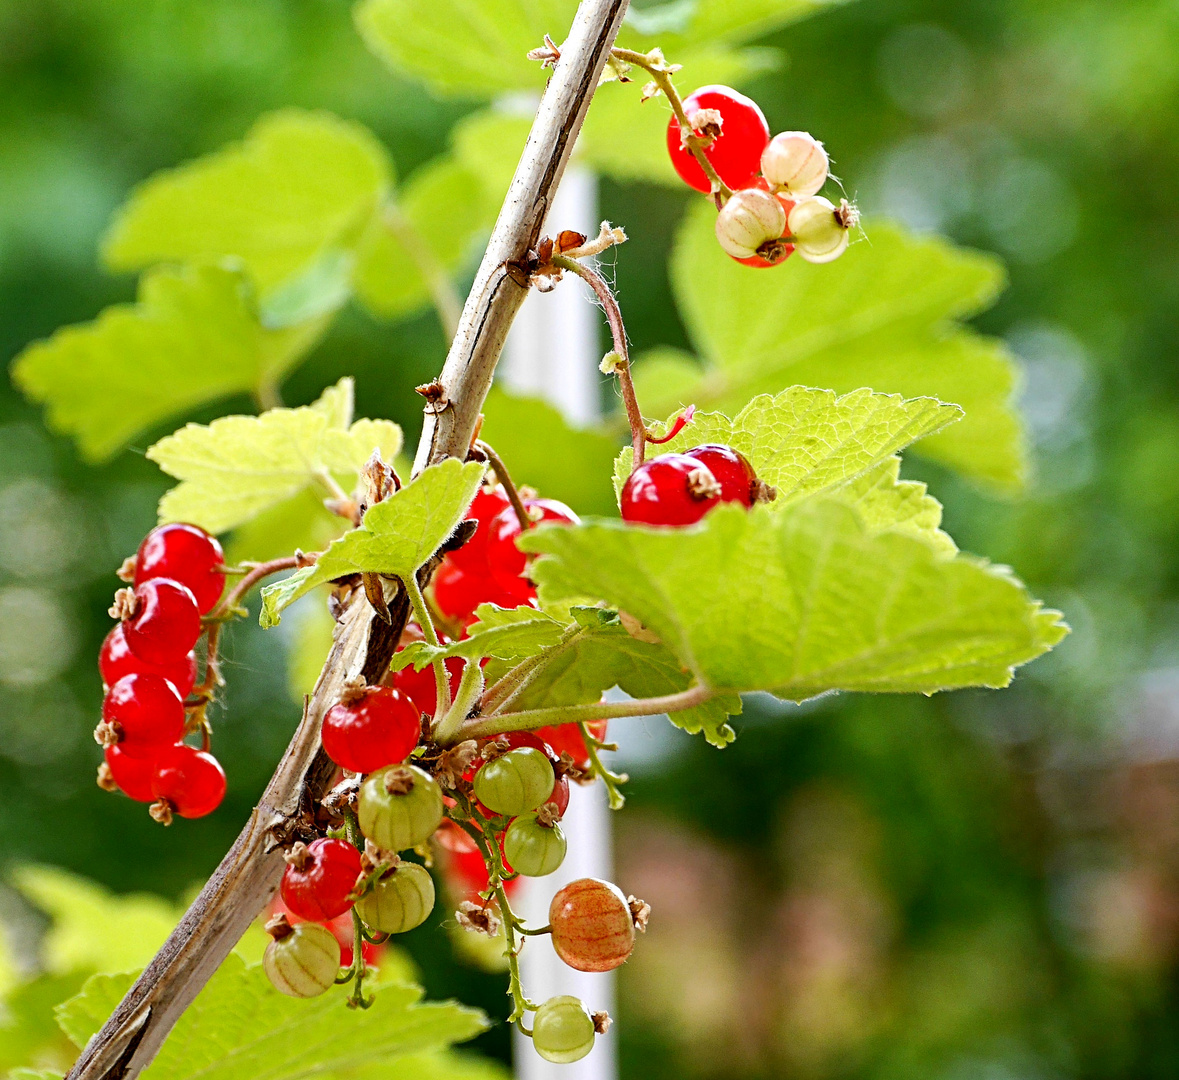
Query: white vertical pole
pixel 553 351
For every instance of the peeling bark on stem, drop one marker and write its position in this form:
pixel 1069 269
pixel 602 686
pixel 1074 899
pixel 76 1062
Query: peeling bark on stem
pixel 249 874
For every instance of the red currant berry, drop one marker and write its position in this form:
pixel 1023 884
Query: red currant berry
pixel 148 712
pixel 115 660
pixel 560 795
pixel 507 561
pixel 166 623
pixel 191 782
pixel 471 558
pixel 187 554
pixel 672 489
pixel 456 592
pixel 566 739
pixel 731 470
pixel 422 688
pixel 379 728
pixel 319 877
pixel 132 775
pixel 738 141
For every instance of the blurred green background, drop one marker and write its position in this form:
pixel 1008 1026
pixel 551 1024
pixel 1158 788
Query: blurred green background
pixel 979 885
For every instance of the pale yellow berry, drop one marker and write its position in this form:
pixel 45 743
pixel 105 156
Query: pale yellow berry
pixel 820 230
pixel 794 163
pixel 749 219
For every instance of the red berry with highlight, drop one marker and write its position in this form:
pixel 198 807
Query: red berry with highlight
pixel 166 623
pixel 115 659
pixel 132 775
pixel 187 554
pixel 422 688
pixel 456 592
pixel 190 781
pixel 148 712
pixel 731 469
pixel 566 739
pixel 319 878
pixel 380 728
pixel 472 556
pixel 672 489
pixel 507 561
pixel 736 149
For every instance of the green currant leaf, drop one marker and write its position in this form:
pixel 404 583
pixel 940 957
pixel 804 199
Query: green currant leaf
pixel 603 655
pixel 743 20
pixel 803 441
pixel 192 337
pixel 238 466
pixel 396 537
pixel 242 1028
pixel 475 48
pixel 289 201
pixel 506 633
pixel 430 225
pixel 445 1065
pixel 541 449
pixel 27 1029
pixel 488 144
pixel 134 926
pixel 803 601
pixel 884 315
pixel 884 502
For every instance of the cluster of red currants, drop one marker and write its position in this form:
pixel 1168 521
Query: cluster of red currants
pixel 679 489
pixel 148 668
pixel 775 208
pixel 494 810
pixel 489 568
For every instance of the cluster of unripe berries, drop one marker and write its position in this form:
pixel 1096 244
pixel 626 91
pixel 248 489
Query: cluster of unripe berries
pixel 775 208
pixel 494 809
pixel 148 669
pixel 679 489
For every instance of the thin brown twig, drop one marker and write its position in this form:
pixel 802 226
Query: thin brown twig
pixel 501 472
pixel 634 416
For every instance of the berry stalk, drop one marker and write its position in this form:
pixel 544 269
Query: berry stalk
pixel 660 73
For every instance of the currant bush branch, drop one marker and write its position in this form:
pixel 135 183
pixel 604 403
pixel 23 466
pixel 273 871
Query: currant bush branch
pixel 363 645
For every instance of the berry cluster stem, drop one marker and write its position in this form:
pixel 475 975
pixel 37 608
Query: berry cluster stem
pixel 422 611
pixel 502 475
pixel 611 780
pixel 661 76
pixel 485 727
pixel 634 415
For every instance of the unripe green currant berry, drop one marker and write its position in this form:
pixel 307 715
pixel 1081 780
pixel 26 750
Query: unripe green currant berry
pixel 302 960
pixel 399 807
pixel 534 849
pixel 515 782
pixel 820 230
pixel 794 163
pixel 400 901
pixel 563 1030
pixel 749 219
